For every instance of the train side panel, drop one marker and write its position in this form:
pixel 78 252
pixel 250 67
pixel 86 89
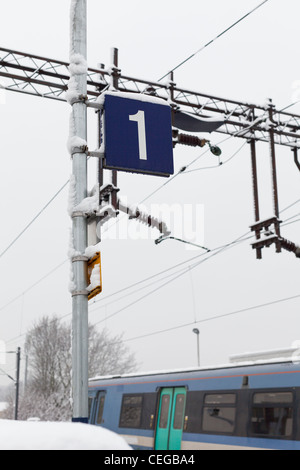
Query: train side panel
pixel 234 408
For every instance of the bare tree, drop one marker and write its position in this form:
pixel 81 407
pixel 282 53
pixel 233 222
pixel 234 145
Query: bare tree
pixel 108 354
pixel 48 346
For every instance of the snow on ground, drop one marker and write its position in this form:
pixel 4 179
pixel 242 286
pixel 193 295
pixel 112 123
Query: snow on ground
pixel 21 435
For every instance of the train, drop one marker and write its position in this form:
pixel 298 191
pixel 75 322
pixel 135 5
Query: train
pixel 242 406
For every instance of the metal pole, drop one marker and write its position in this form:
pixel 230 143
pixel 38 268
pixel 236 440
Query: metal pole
pixel 255 191
pixel 197 332
pixel 115 84
pixel 100 179
pixel 80 295
pixel 274 173
pixel 17 383
pixel 100 161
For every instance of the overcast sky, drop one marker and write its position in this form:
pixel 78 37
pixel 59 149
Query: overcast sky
pixel 256 60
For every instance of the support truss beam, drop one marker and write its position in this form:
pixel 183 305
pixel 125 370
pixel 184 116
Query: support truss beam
pixel 48 78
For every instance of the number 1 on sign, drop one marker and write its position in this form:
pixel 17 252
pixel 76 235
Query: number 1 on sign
pixel 139 117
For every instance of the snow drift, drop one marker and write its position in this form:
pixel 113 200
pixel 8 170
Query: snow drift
pixel 21 435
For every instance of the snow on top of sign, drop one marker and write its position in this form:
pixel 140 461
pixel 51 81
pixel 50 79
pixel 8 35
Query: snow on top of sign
pixel 21 435
pixel 132 96
pixel 95 278
pixel 90 251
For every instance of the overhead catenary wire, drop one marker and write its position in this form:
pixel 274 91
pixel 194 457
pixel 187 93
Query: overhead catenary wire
pixel 176 276
pixel 182 170
pixel 215 39
pixel 216 317
pixel 136 284
pixel 34 219
pixel 181 272
pixel 35 284
pixel 221 163
pixel 228 245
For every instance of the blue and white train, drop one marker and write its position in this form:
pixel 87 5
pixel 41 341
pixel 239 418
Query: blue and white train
pixel 255 406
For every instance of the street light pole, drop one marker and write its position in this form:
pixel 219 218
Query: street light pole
pixel 78 136
pixel 197 332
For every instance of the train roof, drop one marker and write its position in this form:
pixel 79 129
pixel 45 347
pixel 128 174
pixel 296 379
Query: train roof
pixel 289 355
pixel 217 368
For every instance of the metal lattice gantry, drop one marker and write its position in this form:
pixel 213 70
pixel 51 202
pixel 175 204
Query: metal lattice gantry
pixel 48 78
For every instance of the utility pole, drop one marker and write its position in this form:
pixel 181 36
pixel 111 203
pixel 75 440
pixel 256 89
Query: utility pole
pixel 16 380
pixel 78 132
pixel 17 383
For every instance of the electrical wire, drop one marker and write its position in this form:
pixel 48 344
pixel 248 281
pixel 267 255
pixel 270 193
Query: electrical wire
pixel 221 163
pixel 213 40
pixel 179 265
pixel 33 285
pixel 291 205
pixel 289 106
pixel 182 272
pixel 176 276
pixel 239 240
pixel 34 219
pixel 183 170
pixel 217 317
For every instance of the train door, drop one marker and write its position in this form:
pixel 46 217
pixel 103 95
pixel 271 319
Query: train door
pixel 170 420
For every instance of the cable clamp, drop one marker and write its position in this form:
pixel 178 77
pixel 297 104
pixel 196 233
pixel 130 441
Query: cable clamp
pixel 80 258
pixel 80 292
pixel 76 150
pixel 78 214
pixel 77 99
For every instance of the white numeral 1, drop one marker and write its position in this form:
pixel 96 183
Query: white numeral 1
pixel 139 117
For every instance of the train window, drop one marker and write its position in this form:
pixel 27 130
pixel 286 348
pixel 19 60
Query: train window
pixel 100 409
pixel 219 413
pixel 164 413
pixel 272 414
pixel 193 411
pixel 282 398
pixel 223 399
pixel 131 411
pixel 179 410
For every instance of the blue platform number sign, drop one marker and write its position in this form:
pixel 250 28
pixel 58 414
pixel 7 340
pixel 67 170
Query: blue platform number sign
pixel 138 134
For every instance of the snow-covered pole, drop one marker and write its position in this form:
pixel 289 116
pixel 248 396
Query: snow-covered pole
pixel 77 143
